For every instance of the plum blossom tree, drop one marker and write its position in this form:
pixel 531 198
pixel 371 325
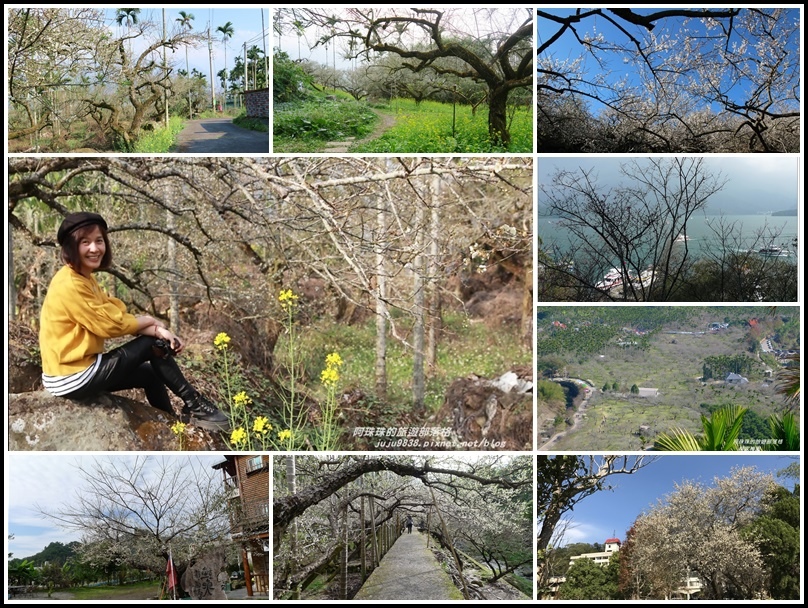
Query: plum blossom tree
pixel 697 530
pixel 130 510
pixel 669 80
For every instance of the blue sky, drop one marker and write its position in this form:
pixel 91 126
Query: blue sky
pixel 611 513
pixel 754 183
pixel 247 28
pixel 612 66
pixel 50 480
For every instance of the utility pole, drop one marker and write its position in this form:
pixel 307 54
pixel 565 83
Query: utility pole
pixel 210 57
pixel 264 41
pixel 165 69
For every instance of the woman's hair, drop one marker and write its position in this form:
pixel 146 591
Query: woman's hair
pixel 70 247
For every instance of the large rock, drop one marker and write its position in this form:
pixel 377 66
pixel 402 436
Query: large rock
pixel 24 368
pixel 109 422
pixel 201 579
pixel 490 414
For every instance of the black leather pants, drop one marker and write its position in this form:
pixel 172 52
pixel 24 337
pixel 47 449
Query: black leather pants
pixel 139 364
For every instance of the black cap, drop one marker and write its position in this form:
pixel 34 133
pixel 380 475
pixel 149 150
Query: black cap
pixel 74 221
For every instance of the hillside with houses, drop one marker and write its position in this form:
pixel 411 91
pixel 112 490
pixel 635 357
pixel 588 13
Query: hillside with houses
pixel 627 376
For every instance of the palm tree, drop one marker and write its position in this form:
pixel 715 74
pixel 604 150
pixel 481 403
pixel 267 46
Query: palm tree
pixel 185 22
pixel 721 432
pixel 789 381
pixel 129 16
pixel 298 25
pixel 785 433
pixel 227 32
pixel 253 55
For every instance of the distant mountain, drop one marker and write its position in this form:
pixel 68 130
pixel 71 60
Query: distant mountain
pixel 55 553
pixel 786 213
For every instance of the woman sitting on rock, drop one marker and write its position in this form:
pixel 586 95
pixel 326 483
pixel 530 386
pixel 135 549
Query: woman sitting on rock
pixel 77 316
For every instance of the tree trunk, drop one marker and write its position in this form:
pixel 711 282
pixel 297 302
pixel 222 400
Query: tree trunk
pixel 12 293
pixel 362 538
pixel 527 306
pixel 419 287
pixel 173 284
pixel 374 540
pixel 291 486
pixel 432 274
pixel 381 309
pixel 497 117
pixel 343 562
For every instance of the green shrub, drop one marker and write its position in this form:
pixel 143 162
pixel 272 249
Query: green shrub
pixel 323 120
pixel 288 79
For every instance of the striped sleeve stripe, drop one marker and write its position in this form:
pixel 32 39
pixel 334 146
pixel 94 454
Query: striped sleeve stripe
pixel 59 386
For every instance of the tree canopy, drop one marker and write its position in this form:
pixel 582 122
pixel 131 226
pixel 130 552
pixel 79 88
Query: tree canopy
pixel 698 529
pixel 65 68
pixel 668 80
pixel 134 510
pixel 484 504
pixel 493 46
pixel 631 241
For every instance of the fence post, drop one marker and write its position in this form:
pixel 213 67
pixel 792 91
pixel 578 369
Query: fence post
pixel 363 539
pixel 343 565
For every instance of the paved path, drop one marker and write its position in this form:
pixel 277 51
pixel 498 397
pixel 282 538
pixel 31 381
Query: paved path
pixel 220 136
pixel 409 571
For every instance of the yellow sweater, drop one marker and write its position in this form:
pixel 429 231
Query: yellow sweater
pixel 77 316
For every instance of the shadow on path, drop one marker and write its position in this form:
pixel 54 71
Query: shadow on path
pixel 220 136
pixel 409 571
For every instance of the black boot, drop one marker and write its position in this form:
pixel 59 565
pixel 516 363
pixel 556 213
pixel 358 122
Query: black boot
pixel 200 411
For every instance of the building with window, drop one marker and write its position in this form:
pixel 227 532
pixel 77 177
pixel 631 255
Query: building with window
pixel 690 588
pixel 611 546
pixel 246 480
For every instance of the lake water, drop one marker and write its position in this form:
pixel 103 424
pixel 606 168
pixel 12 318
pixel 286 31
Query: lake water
pixel 755 231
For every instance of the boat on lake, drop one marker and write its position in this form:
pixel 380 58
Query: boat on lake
pixel 773 251
pixel 610 280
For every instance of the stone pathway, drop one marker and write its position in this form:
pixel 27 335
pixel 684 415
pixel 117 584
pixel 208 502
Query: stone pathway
pixel 409 571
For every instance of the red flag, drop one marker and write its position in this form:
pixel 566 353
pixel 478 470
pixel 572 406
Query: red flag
pixel 171 574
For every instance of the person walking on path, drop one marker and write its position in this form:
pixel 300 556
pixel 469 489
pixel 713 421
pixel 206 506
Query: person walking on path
pixel 77 317
pixel 409 524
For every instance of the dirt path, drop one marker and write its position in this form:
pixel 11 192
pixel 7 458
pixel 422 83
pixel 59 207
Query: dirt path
pixel 220 135
pixel 409 571
pixel 385 123
pixel 577 417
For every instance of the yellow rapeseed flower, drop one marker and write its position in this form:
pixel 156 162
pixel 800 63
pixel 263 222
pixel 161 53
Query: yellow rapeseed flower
pixel 261 425
pixel 221 341
pixel 329 376
pixel 333 360
pixel 241 399
pixel 238 436
pixel 284 435
pixel 178 428
pixel 287 297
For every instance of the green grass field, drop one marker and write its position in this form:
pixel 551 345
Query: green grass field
pixel 432 127
pixel 423 128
